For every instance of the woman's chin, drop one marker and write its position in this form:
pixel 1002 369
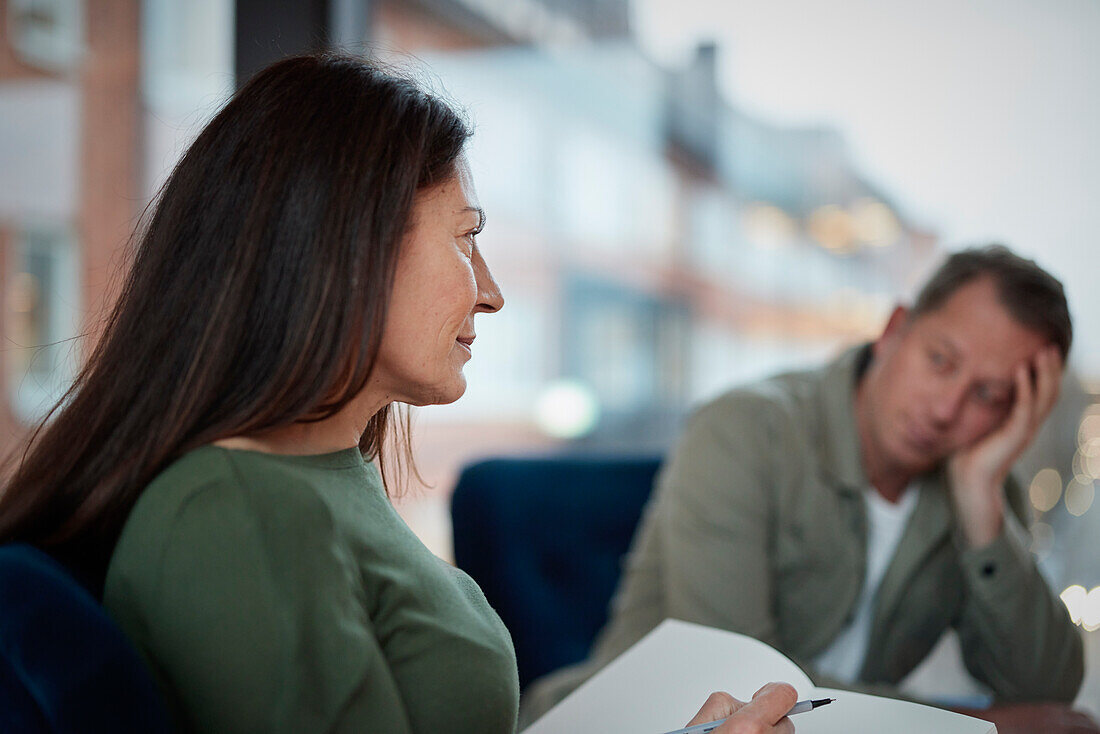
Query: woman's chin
pixel 440 395
pixel 453 395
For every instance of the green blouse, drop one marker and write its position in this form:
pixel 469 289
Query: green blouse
pixel 278 593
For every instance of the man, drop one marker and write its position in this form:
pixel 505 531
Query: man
pixel 849 515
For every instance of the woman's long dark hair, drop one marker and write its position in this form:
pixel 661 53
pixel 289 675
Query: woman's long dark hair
pixel 256 297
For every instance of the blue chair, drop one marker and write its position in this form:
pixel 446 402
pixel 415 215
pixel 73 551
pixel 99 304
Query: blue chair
pixel 64 665
pixel 544 538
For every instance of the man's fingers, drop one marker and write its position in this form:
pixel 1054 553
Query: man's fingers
pixel 1018 425
pixel 1036 393
pixel 1048 382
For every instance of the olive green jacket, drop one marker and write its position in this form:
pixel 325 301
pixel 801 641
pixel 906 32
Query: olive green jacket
pixel 758 525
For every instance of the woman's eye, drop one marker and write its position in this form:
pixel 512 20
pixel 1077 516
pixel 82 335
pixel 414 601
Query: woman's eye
pixel 470 237
pixel 469 242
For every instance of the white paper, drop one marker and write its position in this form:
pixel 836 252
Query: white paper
pixel 660 683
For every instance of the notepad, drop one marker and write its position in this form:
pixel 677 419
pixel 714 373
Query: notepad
pixel 660 683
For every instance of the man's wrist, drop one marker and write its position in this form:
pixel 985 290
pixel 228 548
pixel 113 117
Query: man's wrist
pixel 983 535
pixel 995 570
pixel 979 512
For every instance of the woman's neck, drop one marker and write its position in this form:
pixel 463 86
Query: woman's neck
pixel 342 430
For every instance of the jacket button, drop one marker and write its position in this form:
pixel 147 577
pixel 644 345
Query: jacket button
pixel 989 569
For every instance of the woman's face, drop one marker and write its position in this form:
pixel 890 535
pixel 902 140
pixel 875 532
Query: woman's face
pixel 440 283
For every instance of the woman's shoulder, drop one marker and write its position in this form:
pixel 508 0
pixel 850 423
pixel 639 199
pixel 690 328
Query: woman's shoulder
pixel 213 520
pixel 248 480
pixel 216 478
pixel 194 471
pixel 210 493
pixel 203 473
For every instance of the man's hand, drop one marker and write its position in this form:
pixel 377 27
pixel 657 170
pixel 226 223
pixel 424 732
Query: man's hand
pixel 765 714
pixel 977 473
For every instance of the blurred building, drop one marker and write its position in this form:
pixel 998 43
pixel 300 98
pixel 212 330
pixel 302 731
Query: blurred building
pixel 655 243
pixel 69 187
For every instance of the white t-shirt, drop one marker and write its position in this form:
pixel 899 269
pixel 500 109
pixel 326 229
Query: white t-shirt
pixel 886 522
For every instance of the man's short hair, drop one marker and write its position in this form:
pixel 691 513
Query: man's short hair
pixel 1031 295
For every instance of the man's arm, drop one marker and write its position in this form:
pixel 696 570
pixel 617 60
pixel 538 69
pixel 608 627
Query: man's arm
pixel 715 518
pixel 1015 635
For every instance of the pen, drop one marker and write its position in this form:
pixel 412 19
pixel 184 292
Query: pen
pixel 798 708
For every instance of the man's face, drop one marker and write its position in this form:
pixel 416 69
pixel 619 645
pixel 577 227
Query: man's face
pixel 942 381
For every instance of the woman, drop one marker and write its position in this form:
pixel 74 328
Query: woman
pixel 310 262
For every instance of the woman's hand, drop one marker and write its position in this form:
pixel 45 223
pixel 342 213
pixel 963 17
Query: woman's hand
pixel 765 713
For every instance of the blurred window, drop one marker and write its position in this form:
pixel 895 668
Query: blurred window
pixel 652 204
pixel 187 56
pixel 186 76
pixel 47 33
pixel 625 343
pixel 43 298
pixel 591 190
pixel 713 233
pixel 510 155
pixel 721 359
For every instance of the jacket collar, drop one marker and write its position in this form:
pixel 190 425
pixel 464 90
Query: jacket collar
pixel 842 460
pixel 839 440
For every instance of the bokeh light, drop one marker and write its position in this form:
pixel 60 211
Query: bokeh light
pixel 1089 429
pixel 1046 489
pixel 567 409
pixel 833 228
pixel 875 224
pixel 1090 465
pixel 1074 598
pixel 1079 496
pixel 1090 616
pixel 1091 447
pixel 768 227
